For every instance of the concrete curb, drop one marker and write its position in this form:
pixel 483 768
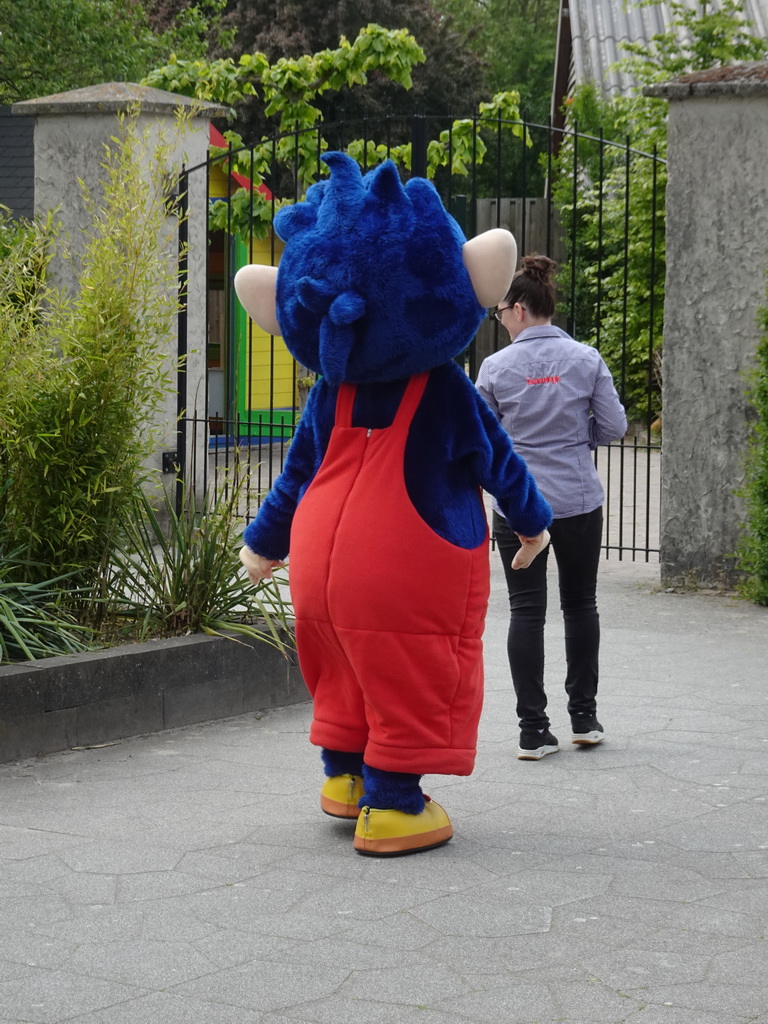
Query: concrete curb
pixel 89 699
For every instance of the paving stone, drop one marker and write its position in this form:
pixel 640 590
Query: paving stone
pixel 484 916
pixel 10 970
pixel 228 947
pixel 229 864
pixel 170 1009
pixel 157 885
pixel 53 996
pixel 652 1014
pixel 32 950
pixel 148 964
pixel 364 1011
pixel 77 887
pixel 113 857
pixel 746 965
pixel 20 843
pixel 629 968
pixel 550 888
pixel 727 1001
pixel 357 953
pixel 366 901
pixel 508 1002
pixel 478 956
pixel 400 931
pixel 265 985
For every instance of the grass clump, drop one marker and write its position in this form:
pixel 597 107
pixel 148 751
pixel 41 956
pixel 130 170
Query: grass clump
pixel 186 577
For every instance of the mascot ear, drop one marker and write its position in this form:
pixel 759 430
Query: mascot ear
pixel 490 260
pixel 256 288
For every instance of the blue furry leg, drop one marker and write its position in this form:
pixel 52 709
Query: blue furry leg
pixel 398 790
pixel 339 762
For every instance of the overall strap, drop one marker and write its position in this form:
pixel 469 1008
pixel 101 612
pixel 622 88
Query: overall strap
pixel 345 403
pixel 409 403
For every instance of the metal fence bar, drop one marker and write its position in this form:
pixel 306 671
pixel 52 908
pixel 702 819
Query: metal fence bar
pixel 182 329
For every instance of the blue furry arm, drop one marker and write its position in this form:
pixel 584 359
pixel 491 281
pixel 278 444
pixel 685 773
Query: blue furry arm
pixel 505 475
pixel 499 469
pixel 269 533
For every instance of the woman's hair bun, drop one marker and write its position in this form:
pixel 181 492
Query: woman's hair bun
pixel 541 267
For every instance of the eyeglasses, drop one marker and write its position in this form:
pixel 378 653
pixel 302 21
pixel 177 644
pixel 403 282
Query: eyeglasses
pixel 500 309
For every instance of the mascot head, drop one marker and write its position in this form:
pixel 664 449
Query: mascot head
pixel 376 281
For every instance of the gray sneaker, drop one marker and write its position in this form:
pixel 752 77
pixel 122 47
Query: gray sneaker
pixel 535 745
pixel 587 730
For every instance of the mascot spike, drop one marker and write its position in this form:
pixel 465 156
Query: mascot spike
pixel 424 198
pixel 345 173
pixel 292 219
pixel 385 183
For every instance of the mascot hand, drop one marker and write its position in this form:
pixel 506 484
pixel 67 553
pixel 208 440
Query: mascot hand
pixel 530 547
pixel 257 567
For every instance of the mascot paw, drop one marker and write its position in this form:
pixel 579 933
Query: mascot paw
pixel 389 833
pixel 257 567
pixel 340 795
pixel 529 548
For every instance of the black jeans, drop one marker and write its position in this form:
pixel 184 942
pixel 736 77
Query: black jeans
pixel 576 543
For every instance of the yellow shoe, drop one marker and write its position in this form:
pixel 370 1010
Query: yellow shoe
pixel 386 833
pixel 340 795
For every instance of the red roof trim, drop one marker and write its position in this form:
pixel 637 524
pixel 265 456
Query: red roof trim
pixel 217 139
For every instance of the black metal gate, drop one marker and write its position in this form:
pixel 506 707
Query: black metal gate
pixel 594 205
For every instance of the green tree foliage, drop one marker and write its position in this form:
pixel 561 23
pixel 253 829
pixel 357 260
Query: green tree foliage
pixel 451 79
pixel 289 88
pixel 50 46
pixel 618 304
pixel 516 40
pixel 290 91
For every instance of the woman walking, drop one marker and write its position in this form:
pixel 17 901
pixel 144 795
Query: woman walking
pixel 555 397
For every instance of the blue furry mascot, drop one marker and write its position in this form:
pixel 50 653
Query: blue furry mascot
pixel 380 501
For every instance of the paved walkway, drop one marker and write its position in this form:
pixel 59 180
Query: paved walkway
pixel 189 877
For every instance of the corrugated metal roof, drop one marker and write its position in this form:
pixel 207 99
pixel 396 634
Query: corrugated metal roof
pixel 598 27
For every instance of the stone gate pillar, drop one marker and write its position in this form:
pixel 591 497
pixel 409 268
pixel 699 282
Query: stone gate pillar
pixel 71 130
pixel 717 256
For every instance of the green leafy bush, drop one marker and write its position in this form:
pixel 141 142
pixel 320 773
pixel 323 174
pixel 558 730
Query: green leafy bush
pixel 84 374
pixel 753 549
pixel 614 279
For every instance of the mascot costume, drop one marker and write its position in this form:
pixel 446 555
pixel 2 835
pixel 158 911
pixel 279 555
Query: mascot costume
pixel 379 502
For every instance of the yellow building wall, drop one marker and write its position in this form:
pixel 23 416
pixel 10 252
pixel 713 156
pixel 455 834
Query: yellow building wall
pixel 267 365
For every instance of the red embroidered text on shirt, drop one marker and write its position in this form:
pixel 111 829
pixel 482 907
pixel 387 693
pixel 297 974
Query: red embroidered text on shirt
pixel 542 380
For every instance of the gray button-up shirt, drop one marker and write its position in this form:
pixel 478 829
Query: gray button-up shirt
pixel 556 399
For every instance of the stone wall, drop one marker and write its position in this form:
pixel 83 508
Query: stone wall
pixel 71 130
pixel 717 256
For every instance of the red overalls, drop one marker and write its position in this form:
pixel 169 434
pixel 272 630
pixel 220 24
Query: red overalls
pixel 389 616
